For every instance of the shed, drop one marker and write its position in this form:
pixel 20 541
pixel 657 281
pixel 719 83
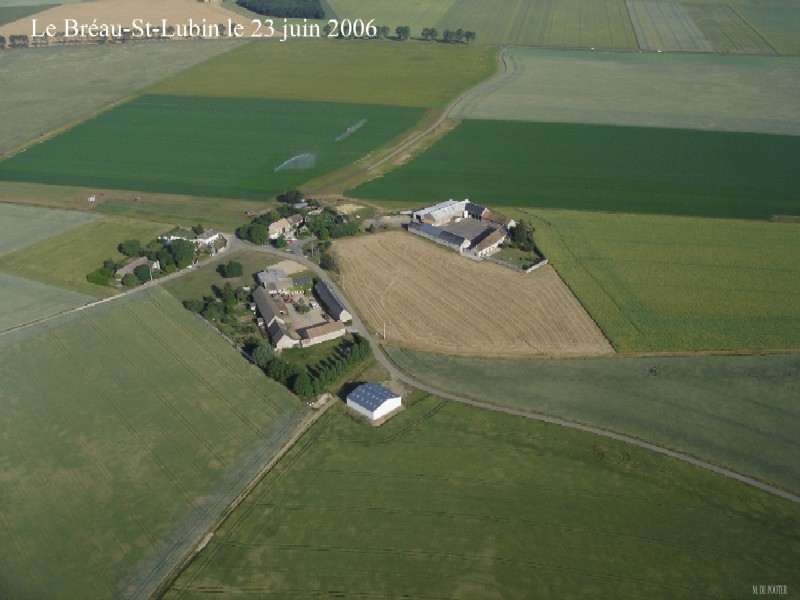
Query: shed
pixel 373 400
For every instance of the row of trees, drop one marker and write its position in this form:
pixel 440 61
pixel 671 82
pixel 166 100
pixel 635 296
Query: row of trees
pixel 299 380
pixel 449 36
pixel 291 9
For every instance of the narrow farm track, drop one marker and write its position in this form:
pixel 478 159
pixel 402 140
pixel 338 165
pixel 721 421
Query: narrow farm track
pixel 409 143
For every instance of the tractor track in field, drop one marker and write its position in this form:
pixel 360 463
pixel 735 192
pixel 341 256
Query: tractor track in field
pixel 331 188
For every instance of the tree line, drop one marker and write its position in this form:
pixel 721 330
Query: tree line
pixel 290 9
pixel 299 380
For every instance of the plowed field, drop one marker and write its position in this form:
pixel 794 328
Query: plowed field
pixel 433 299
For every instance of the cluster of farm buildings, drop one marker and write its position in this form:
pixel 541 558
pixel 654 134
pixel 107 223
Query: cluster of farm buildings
pixel 276 295
pixel 468 228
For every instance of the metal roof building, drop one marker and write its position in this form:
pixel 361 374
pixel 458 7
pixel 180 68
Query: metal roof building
pixel 373 400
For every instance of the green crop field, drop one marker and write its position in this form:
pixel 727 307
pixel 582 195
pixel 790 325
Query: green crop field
pixel 676 284
pixel 365 72
pixel 24 225
pixel 125 429
pixel 644 89
pixel 735 411
pixel 13 13
pixel 53 87
pixel 726 30
pixel 777 22
pixel 595 167
pixel 448 501
pixel 220 147
pixel 23 301
pixel 65 259
pixel 666 26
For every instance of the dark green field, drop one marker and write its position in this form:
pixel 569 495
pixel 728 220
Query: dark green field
pixel 595 167
pixel 208 146
pixel 448 501
pixel 12 13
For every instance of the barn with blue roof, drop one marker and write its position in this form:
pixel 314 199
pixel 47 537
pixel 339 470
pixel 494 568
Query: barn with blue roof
pixel 373 400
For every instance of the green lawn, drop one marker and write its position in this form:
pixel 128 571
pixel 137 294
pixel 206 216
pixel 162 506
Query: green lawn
pixel 691 91
pixel 21 226
pixel 65 259
pixel 23 301
pixel 199 282
pixel 736 411
pixel 220 147
pixel 675 284
pixel 448 501
pixel 54 87
pixel 602 168
pixel 365 72
pixel 125 429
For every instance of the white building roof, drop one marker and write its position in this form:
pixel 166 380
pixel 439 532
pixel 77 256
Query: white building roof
pixel 370 396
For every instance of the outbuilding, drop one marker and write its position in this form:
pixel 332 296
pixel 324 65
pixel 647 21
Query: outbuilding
pixel 373 400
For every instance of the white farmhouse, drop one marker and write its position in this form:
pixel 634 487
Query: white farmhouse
pixel 373 401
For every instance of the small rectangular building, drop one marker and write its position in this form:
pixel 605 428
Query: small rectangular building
pixel 281 337
pixel 322 333
pixel 373 400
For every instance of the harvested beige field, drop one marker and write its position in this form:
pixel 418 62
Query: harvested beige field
pixel 434 300
pixel 123 12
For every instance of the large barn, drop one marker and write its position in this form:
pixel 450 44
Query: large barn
pixel 373 400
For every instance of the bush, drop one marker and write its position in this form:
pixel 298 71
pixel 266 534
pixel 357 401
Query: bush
pixel 232 269
pixel 98 278
pixel 142 273
pixel 263 355
pixel 130 248
pixel 130 280
pixel 327 262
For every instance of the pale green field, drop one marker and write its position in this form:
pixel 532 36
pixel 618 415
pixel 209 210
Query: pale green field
pixel 726 30
pixel 65 259
pixel 358 71
pixel 666 26
pixel 657 283
pixel 23 301
pixel 125 429
pixel 740 412
pixel 50 88
pixel 662 90
pixel 24 225
pixel 777 22
pixel 447 501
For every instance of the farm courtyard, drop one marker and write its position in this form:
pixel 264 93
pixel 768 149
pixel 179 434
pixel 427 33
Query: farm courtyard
pixel 433 299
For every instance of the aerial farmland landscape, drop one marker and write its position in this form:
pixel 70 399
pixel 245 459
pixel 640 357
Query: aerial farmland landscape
pixel 366 299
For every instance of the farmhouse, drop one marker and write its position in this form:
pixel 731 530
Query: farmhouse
pixel 281 286
pixel 284 226
pixel 281 337
pixel 131 266
pixel 269 309
pixel 207 237
pixel 463 226
pixel 332 304
pixel 373 400
pixel 322 333
pixel 268 276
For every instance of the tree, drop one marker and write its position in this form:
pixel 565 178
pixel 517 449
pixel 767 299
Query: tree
pixel 212 311
pixel 130 280
pixel 426 33
pixel 403 32
pixel 130 248
pixel 281 242
pixel 182 251
pixel 232 269
pixel 18 41
pixel 142 273
pixel 447 36
pixel 326 30
pixel 382 32
pixel 291 197
pixel 193 305
pixel 255 233
pixel 302 385
pixel 459 35
pixel 327 262
pixel 198 229
pixel 2 42
pixel 469 36
pixel 263 355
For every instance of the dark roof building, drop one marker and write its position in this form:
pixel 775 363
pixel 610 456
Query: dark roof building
pixel 269 309
pixel 332 304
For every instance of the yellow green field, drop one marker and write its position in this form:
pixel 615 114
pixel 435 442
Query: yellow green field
pixel 674 284
pixel 358 71
pixel 65 259
pixel 125 430
pixel 24 225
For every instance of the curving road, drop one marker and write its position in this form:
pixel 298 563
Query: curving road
pixel 359 327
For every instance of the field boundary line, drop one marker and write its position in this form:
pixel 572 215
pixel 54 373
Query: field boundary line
pixel 207 535
pixel 409 379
